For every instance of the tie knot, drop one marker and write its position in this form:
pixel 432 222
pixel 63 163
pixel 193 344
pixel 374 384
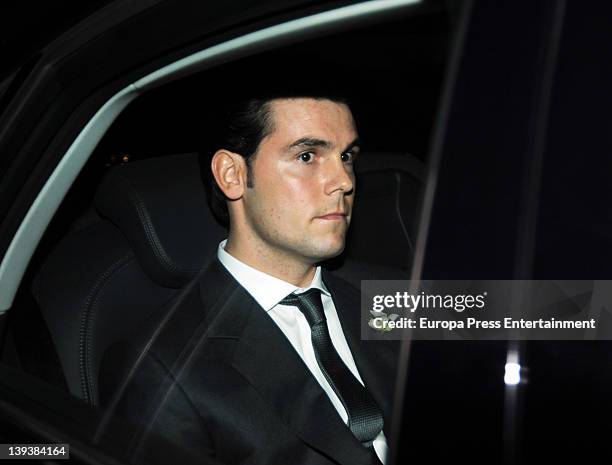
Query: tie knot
pixel 309 303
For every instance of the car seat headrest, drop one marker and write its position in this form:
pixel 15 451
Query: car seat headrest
pixel 160 205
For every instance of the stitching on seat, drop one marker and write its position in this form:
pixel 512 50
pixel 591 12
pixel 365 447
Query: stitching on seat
pixel 397 210
pixel 150 232
pixel 85 333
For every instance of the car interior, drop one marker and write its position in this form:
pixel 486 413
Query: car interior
pixel 136 227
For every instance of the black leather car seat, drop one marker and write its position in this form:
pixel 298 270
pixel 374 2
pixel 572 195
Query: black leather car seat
pixel 133 254
pixel 386 210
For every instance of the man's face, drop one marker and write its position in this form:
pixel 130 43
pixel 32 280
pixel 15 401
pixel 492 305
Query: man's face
pixel 304 185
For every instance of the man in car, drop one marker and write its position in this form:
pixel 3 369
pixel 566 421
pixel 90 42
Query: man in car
pixel 260 360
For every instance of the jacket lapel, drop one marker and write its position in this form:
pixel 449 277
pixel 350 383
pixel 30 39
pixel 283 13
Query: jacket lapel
pixel 267 360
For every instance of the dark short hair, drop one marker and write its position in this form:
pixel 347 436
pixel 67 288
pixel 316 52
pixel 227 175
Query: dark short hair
pixel 246 123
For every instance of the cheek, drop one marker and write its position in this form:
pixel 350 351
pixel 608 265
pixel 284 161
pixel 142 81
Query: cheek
pixel 283 204
pixel 290 187
pixel 301 197
pixel 286 196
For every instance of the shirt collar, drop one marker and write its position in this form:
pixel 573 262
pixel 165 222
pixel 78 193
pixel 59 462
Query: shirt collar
pixel 267 290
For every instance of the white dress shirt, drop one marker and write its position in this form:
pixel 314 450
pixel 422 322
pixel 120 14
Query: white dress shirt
pixel 268 291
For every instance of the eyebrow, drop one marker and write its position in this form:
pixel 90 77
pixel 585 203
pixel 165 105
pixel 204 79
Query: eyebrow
pixel 307 142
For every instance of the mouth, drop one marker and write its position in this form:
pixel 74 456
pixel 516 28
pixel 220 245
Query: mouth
pixel 333 216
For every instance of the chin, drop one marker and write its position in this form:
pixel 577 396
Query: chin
pixel 330 251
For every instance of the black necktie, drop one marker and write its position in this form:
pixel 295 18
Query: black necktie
pixel 364 416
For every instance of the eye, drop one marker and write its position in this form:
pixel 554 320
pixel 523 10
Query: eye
pixel 306 157
pixel 348 157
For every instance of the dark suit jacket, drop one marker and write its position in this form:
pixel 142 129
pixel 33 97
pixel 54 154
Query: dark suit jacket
pixel 219 378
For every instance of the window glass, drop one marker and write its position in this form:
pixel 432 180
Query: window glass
pixel 569 380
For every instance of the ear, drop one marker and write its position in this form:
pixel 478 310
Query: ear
pixel 229 170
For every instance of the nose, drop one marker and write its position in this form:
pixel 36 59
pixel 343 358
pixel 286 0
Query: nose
pixel 339 176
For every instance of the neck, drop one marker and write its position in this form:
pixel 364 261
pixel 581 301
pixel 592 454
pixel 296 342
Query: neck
pixel 281 265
